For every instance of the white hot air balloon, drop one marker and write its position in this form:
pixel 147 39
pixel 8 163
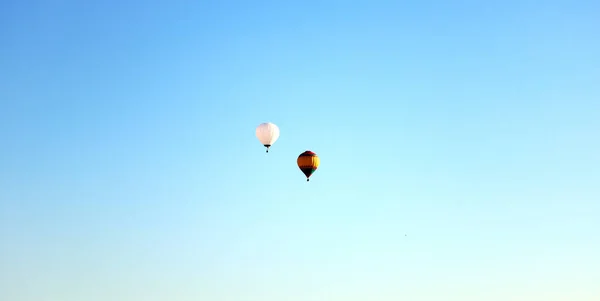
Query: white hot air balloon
pixel 267 133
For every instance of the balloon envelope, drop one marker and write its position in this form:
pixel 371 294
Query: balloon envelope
pixel 308 162
pixel 267 133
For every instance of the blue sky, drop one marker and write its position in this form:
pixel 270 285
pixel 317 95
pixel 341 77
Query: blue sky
pixel 458 143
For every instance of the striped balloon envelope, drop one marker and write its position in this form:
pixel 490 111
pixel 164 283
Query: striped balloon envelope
pixel 308 162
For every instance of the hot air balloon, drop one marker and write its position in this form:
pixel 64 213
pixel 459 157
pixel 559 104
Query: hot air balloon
pixel 308 162
pixel 267 133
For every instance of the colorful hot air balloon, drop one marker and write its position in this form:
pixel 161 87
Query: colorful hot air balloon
pixel 308 162
pixel 267 133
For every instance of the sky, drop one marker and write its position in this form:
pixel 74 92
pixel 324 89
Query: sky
pixel 459 145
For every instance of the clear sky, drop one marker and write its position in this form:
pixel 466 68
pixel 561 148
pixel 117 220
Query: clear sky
pixel 459 145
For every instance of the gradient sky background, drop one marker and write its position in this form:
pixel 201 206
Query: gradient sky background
pixel 459 145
